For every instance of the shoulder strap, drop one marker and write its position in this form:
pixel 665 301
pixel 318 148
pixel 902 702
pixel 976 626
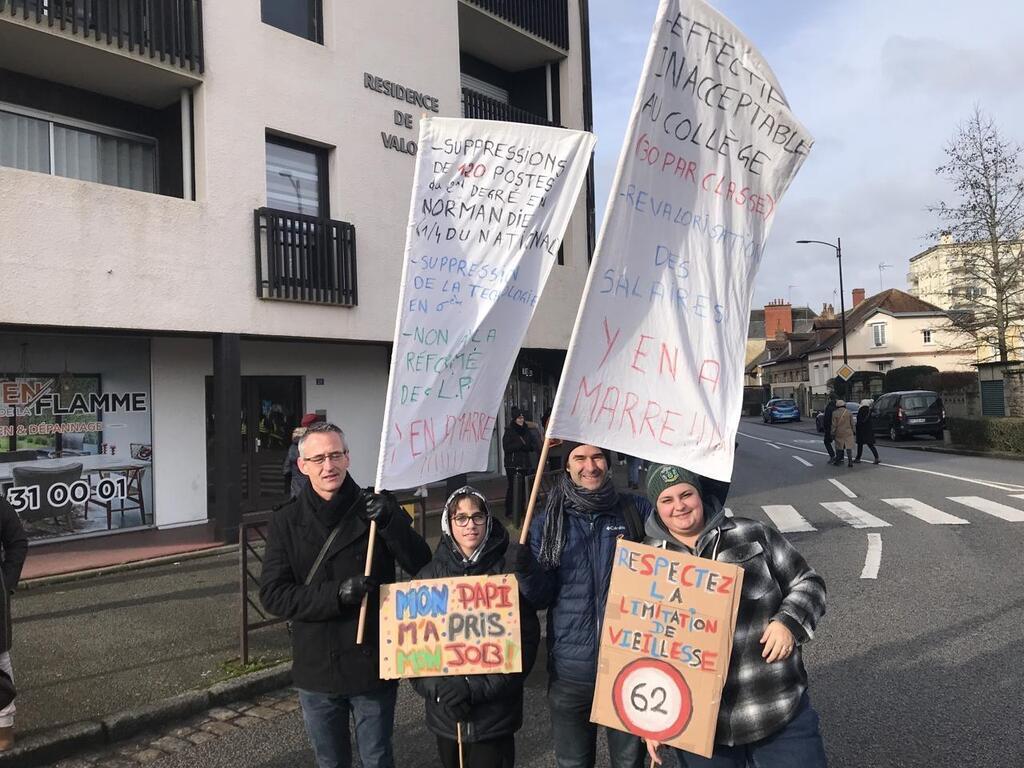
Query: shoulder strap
pixel 634 525
pixel 323 553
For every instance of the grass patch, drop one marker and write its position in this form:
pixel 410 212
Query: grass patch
pixel 232 668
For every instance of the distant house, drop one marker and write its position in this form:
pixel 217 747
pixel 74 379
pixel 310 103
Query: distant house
pixel 766 323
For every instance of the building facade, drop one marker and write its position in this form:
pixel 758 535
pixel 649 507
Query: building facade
pixel 204 216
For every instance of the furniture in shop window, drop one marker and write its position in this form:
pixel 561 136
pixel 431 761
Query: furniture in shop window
pixel 45 478
pixel 134 498
pixel 22 455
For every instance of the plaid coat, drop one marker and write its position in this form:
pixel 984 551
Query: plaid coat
pixel 759 698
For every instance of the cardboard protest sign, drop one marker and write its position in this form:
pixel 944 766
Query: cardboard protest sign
pixel 665 645
pixel 655 365
pixel 490 204
pixel 458 626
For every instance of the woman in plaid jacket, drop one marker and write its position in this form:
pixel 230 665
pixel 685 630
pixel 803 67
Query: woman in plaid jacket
pixel 765 718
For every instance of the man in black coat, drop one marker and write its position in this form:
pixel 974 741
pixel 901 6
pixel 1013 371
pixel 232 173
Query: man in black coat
pixel 335 676
pixel 827 419
pixel 15 546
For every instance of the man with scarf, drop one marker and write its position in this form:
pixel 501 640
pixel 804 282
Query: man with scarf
pixel 566 568
pixel 313 574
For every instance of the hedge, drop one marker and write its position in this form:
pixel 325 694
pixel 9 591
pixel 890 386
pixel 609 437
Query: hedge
pixel 911 377
pixel 1005 435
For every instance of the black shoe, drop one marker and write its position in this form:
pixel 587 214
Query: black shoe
pixel 849 462
pixel 856 461
pixel 877 461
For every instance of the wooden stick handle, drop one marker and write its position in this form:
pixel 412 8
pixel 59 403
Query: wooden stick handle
pixel 541 463
pixel 366 572
pixel 458 734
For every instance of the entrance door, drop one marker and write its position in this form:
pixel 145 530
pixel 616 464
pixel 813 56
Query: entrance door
pixel 271 409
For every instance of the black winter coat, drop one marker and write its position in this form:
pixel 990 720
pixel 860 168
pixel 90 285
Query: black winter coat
pixel 865 428
pixel 518 445
pixel 15 547
pixel 497 700
pixel 324 651
pixel 827 417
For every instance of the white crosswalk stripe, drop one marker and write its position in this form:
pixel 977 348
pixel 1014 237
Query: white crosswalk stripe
pixel 925 512
pixel 787 519
pixel 853 515
pixel 846 491
pixel 1017 495
pixel 994 508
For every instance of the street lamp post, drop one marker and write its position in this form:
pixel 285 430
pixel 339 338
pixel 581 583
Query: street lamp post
pixel 838 247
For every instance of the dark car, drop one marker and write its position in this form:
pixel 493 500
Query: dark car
pixel 900 414
pixel 780 409
pixel 819 416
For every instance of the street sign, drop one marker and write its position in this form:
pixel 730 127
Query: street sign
pixel 845 372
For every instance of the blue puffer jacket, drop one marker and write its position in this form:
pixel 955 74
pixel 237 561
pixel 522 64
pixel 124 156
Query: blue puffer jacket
pixel 575 593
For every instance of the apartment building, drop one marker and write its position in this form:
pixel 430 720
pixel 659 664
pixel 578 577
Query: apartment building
pixel 202 224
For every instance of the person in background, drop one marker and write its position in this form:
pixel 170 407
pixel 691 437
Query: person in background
pixel 566 568
pixel 842 431
pixel 518 444
pixel 826 420
pixel 487 708
pixel 865 431
pixel 14 544
pixel 294 480
pixel 313 575
pixel 765 718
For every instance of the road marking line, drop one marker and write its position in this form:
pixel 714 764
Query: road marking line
pixel 776 447
pixel 873 560
pixel 849 494
pixel 853 515
pixel 1017 495
pixel 993 508
pixel 926 512
pixel 787 519
pixel 728 512
pixel 987 483
pixel 805 462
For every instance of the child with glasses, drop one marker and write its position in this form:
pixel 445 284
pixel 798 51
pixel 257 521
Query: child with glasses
pixel 489 708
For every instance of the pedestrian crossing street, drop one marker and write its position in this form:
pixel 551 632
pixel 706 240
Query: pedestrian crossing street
pixel 787 519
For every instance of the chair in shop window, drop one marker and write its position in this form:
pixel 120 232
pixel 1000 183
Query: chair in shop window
pixel 45 478
pixel 134 498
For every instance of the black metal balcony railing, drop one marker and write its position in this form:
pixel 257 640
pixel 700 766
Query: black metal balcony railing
pixel 547 19
pixel 169 29
pixel 476 105
pixel 305 258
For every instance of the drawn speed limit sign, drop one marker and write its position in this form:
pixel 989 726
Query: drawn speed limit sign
pixel 652 699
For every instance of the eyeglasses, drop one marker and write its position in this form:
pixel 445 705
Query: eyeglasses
pixel 463 520
pixel 334 456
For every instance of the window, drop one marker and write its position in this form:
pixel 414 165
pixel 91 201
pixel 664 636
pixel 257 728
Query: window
pixel 926 337
pixel 300 17
pixel 297 178
pixel 878 333
pixel 884 365
pixel 34 142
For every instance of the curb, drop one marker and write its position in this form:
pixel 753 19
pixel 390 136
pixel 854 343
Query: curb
pixel 50 746
pixel 62 578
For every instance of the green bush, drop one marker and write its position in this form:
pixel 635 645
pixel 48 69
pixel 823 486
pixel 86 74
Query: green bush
pixel 956 380
pixel 911 377
pixel 1005 435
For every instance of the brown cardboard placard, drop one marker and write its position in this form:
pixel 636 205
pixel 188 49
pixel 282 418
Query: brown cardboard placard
pixel 466 625
pixel 665 645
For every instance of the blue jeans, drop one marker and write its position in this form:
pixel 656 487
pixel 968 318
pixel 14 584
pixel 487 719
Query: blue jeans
pixel 327 717
pixel 576 737
pixel 797 744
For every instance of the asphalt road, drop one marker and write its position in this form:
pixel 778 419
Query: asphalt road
pixel 919 666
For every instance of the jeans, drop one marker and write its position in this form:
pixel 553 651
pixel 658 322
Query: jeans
pixel 327 717
pixel 576 737
pixel 798 744
pixel 7 713
pixel 830 449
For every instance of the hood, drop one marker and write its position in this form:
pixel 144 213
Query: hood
pixel 493 547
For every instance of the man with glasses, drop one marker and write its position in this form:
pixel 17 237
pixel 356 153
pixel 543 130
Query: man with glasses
pixel 313 575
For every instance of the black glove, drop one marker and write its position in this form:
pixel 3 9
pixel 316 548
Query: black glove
pixel 379 507
pixel 521 557
pixel 455 698
pixel 352 589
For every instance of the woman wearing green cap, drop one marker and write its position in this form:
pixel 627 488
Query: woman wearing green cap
pixel 765 718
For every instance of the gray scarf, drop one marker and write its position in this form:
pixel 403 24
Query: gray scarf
pixel 564 497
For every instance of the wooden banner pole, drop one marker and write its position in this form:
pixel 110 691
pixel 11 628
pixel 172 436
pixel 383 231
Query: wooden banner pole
pixel 458 733
pixel 366 572
pixel 541 463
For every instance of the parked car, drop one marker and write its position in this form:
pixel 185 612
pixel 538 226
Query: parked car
pixel 819 417
pixel 900 414
pixel 780 409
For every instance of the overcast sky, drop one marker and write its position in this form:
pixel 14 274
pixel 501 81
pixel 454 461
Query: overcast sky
pixel 881 85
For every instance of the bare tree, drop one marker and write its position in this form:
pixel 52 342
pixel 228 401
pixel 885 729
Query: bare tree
pixel 985 226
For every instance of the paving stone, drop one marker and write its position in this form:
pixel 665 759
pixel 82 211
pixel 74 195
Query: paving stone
pixel 245 721
pixel 171 744
pixel 221 713
pixel 116 762
pixel 201 737
pixel 219 728
pixel 129 748
pixel 145 757
pixel 264 713
pixel 268 700
pixel 180 731
pixel 287 706
pixel 73 763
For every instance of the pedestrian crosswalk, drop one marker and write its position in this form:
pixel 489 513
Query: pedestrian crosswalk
pixel 786 518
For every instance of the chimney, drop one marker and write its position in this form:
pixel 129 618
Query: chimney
pixel 858 296
pixel 778 316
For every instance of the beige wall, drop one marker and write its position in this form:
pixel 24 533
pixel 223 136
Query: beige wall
pixel 88 254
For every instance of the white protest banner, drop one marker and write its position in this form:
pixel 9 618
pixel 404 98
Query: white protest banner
pixel 655 365
pixel 490 203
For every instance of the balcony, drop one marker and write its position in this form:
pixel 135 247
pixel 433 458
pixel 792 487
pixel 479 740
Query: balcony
pixel 547 19
pixel 514 35
pixel 168 30
pixel 305 258
pixel 476 105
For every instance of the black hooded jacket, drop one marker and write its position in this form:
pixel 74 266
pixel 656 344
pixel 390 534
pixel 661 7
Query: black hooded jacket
pixel 497 700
